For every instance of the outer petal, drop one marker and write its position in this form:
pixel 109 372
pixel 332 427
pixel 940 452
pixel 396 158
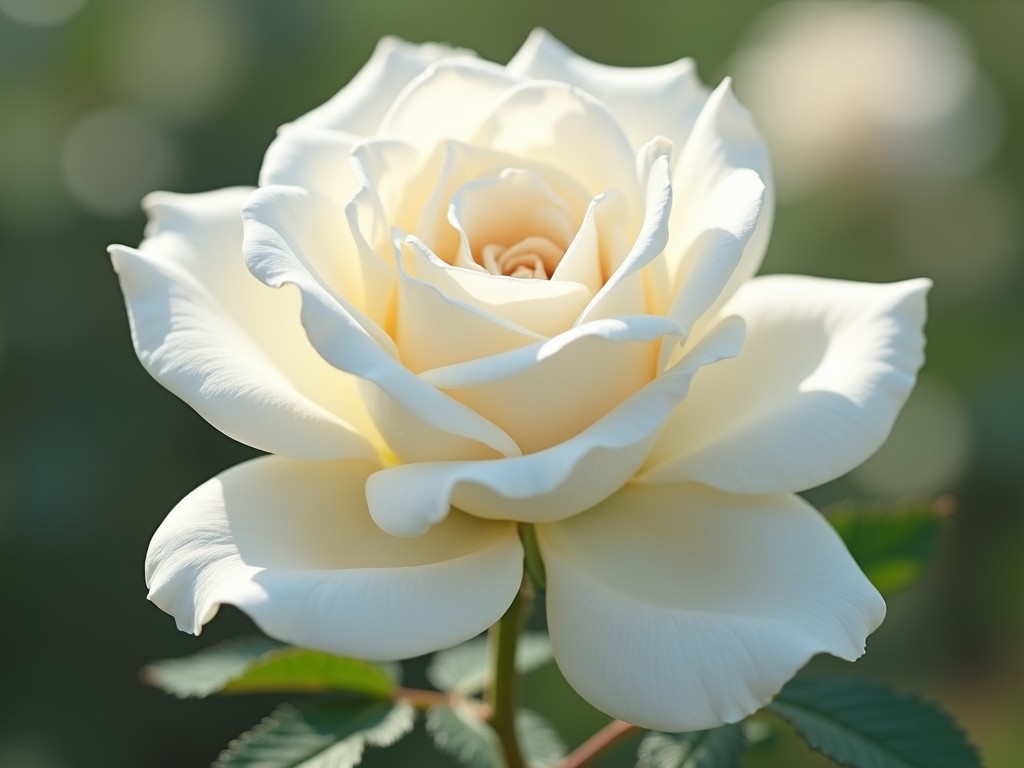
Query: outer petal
pixel 552 484
pixel 359 106
pixel 230 347
pixel 680 608
pixel 724 203
pixel 555 124
pixel 315 158
pixel 648 101
pixel 292 545
pixel 449 100
pixel 825 369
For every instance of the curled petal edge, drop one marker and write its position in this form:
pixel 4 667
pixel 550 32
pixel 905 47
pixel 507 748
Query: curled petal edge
pixel 291 544
pixel 554 483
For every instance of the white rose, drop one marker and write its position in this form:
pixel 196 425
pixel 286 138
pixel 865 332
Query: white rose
pixel 467 296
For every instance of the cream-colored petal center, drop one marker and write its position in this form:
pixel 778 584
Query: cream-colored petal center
pixel 512 225
pixel 532 257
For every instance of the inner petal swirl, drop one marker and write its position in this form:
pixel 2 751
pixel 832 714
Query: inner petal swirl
pixel 513 225
pixel 532 257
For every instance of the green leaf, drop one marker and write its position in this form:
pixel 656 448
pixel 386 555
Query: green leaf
pixel 460 731
pixel 865 724
pixel 717 748
pixel 259 665
pixel 296 669
pixel 465 669
pixel 892 543
pixel 209 670
pixel 318 734
pixel 542 746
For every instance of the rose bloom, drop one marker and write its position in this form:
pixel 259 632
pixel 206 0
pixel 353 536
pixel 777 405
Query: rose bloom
pixel 467 297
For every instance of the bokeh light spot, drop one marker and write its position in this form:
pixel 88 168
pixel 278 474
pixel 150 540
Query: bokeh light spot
pixel 113 157
pixel 883 91
pixel 178 60
pixel 41 13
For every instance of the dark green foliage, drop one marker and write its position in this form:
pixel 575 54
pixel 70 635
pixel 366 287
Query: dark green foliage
pixel 318 734
pixel 865 724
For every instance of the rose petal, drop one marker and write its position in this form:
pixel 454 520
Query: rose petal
pixel 552 484
pixel 359 106
pixel 560 126
pixel 541 308
pixel 648 101
pixel 387 169
pixel 581 262
pixel 315 158
pixel 382 169
pixel 287 231
pixel 710 259
pixel 826 366
pixel 625 288
pixel 508 208
pixel 448 101
pixel 545 393
pixel 225 344
pixel 291 544
pixel 428 191
pixel 435 329
pixel 722 185
pixel 680 608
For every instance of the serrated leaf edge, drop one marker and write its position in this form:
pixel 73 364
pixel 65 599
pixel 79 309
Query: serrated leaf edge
pixel 397 724
pixel 906 695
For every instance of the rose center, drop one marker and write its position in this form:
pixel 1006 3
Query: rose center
pixel 532 257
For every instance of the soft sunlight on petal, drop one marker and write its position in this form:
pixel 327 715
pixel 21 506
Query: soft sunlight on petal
pixel 230 347
pixel 826 366
pixel 279 252
pixel 314 158
pixel 661 100
pixel 624 279
pixel 722 182
pixel 680 608
pixel 292 544
pixel 547 392
pixel 543 308
pixel 448 101
pixel 552 484
pixel 558 125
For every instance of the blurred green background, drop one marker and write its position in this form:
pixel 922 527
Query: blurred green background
pixel 102 101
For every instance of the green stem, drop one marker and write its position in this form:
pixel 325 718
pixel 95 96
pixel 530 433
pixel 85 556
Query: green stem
pixel 587 752
pixel 502 694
